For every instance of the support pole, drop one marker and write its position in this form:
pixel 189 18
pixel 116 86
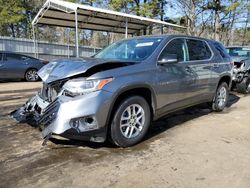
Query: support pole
pixel 76 41
pixel 162 31
pixel 126 30
pixel 34 40
pixel 162 16
pixel 68 36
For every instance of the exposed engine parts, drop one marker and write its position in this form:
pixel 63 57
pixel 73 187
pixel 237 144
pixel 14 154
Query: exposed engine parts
pixel 241 76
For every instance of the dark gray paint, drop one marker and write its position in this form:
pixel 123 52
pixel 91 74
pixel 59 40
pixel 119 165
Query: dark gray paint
pixel 173 86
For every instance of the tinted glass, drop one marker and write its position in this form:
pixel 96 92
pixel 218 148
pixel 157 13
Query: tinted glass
pixel 24 58
pixel 13 57
pixel 221 50
pixel 176 46
pixel 198 50
pixel 1 56
pixel 244 52
pixel 133 49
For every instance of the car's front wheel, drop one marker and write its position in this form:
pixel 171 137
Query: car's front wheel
pixel 221 97
pixel 130 122
pixel 31 75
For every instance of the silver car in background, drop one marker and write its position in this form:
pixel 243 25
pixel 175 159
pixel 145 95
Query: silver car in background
pixel 241 72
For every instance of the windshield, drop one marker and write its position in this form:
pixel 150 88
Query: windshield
pixel 239 51
pixel 133 49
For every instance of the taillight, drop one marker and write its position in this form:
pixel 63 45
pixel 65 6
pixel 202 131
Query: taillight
pixel 44 62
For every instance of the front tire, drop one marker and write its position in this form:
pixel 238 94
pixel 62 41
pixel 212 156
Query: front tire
pixel 31 75
pixel 131 121
pixel 243 86
pixel 221 97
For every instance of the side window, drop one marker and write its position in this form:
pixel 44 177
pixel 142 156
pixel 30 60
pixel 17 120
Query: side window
pixel 221 50
pixel 12 57
pixel 198 50
pixel 1 56
pixel 176 46
pixel 24 58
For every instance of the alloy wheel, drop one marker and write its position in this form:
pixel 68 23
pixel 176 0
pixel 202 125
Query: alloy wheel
pixel 132 121
pixel 222 96
pixel 31 75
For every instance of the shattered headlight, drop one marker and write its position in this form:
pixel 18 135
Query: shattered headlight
pixel 81 86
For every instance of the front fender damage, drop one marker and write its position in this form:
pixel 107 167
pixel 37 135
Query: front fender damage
pixel 56 113
pixel 241 70
pixel 66 117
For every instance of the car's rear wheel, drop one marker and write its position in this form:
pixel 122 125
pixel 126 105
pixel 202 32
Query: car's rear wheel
pixel 221 97
pixel 244 86
pixel 131 121
pixel 31 75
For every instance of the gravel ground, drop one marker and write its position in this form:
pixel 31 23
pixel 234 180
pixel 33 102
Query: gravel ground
pixel 190 148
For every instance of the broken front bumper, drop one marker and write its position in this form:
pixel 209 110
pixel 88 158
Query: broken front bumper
pixel 81 117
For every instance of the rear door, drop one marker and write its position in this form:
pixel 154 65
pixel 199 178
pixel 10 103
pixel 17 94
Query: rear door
pixel 221 65
pixel 200 63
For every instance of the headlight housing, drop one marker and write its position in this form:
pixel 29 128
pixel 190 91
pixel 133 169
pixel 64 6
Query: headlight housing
pixel 81 86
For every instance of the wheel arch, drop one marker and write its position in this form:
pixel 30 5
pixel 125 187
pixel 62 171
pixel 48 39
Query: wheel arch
pixel 140 90
pixel 227 79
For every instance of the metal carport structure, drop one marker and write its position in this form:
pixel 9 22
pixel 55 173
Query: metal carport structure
pixel 71 15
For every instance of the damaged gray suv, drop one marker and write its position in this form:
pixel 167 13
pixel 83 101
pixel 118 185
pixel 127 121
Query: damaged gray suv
pixel 118 92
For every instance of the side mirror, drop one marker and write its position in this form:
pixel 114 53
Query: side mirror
pixel 168 58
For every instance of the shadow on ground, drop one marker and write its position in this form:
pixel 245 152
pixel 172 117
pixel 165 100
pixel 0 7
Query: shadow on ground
pixel 167 122
pixel 10 80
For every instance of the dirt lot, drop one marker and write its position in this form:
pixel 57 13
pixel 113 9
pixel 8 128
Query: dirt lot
pixel 191 148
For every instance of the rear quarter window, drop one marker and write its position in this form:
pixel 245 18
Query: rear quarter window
pixel 222 51
pixel 198 50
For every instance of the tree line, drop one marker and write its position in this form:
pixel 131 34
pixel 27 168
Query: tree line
pixel 223 20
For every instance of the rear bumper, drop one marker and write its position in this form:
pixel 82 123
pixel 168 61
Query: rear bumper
pixel 69 117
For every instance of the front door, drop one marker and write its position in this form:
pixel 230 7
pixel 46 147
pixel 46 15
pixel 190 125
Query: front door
pixel 200 62
pixel 175 81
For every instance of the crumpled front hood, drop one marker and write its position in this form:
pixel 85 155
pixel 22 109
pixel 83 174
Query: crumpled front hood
pixel 64 68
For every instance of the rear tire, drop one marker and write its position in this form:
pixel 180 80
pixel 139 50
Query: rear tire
pixel 221 97
pixel 31 75
pixel 243 86
pixel 131 121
